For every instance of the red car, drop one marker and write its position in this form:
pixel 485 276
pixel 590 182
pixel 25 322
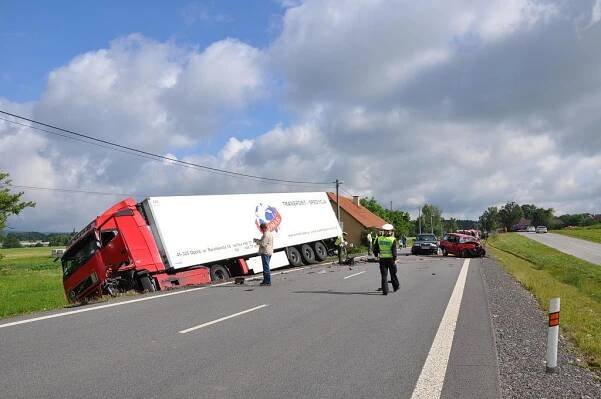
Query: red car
pixel 462 245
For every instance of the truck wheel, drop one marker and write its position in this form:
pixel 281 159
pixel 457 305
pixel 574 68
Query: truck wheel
pixel 146 283
pixel 219 273
pixel 308 254
pixel 294 257
pixel 321 252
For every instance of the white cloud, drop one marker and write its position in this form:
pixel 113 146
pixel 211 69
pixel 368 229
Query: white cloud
pixel 464 105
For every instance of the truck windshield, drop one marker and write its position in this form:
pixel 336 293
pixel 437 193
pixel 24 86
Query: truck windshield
pixel 79 254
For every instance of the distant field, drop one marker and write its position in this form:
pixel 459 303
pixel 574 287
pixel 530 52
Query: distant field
pixel 29 281
pixel 592 233
pixel 549 273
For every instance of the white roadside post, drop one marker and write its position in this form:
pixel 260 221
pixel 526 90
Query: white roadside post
pixel 553 335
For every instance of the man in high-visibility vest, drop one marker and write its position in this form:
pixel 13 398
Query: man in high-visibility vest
pixel 386 249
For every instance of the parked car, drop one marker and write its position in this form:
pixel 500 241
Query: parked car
pixel 541 229
pixel 531 229
pixel 462 245
pixel 425 244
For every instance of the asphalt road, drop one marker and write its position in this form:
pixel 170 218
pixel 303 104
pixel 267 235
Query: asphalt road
pixel 582 249
pixel 320 332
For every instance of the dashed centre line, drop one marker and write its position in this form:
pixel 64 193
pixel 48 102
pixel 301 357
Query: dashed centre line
pixel 110 305
pixel 187 330
pixel 353 275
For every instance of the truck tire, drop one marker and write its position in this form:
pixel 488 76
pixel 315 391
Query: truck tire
pixel 219 273
pixel 321 252
pixel 294 256
pixel 146 283
pixel 308 254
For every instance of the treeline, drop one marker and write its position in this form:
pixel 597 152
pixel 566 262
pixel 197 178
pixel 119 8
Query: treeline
pixel 429 220
pixel 13 239
pixel 513 216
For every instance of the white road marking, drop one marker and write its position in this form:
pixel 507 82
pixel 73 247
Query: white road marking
pixel 187 330
pixel 353 275
pixel 431 379
pixel 110 305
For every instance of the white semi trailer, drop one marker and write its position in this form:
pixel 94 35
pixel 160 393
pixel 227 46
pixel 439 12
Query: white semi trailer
pixel 164 242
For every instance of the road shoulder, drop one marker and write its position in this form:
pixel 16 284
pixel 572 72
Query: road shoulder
pixel 520 333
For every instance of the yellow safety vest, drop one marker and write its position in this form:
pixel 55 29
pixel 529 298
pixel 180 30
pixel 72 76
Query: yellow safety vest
pixel 385 243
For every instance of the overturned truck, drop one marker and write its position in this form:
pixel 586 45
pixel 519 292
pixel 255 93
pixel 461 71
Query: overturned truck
pixel 166 242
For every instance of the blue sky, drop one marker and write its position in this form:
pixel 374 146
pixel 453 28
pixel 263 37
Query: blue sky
pixel 37 37
pixel 462 104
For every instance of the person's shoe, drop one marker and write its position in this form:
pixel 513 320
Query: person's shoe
pixel 396 289
pixel 264 283
pixel 384 293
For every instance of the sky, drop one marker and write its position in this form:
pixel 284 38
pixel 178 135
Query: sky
pixel 463 103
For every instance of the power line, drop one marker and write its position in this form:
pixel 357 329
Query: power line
pixel 121 147
pixel 136 154
pixel 69 190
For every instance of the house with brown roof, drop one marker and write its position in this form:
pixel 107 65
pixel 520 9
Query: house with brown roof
pixel 355 218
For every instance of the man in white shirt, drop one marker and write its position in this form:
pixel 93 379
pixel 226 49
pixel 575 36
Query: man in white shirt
pixel 265 250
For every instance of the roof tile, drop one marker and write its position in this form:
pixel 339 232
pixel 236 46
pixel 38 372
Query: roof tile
pixel 359 213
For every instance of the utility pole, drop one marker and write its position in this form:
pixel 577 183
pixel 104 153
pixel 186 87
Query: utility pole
pixel 431 224
pixel 337 201
pixel 338 182
pixel 419 219
pixel 390 206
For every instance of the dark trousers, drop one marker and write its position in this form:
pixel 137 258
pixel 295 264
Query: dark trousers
pixel 266 272
pixel 385 265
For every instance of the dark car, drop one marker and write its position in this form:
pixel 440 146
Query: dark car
pixel 425 244
pixel 465 246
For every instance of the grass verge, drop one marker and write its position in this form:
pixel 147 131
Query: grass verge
pixel 30 281
pixel 589 234
pixel 548 273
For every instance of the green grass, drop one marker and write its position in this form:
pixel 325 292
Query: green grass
pixel 548 273
pixel 592 233
pixel 29 281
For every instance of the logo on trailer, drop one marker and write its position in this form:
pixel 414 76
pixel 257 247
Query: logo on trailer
pixel 269 215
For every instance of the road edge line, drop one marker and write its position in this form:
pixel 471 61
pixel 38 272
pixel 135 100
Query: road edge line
pixel 431 379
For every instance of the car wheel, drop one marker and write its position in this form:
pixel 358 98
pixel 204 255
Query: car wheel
pixel 445 252
pixel 294 256
pixel 321 252
pixel 146 283
pixel 308 254
pixel 219 273
pixel 465 254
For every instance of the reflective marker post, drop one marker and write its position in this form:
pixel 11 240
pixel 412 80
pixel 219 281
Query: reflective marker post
pixel 553 335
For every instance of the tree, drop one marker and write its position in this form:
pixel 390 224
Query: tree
pixel 451 225
pixel 10 204
pixel 510 214
pixel 11 241
pixel 529 210
pixel 431 218
pixel 399 219
pixel 489 221
pixel 542 217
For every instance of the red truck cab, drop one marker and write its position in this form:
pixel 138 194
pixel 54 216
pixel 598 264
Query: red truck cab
pixel 117 252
